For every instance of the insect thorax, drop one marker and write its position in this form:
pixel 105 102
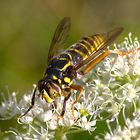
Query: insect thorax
pixel 61 71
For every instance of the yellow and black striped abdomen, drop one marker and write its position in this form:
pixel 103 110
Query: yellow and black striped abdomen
pixel 62 68
pixel 84 48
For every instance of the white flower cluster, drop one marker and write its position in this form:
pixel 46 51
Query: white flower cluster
pixel 112 86
pixel 130 131
pixel 124 83
pixel 9 107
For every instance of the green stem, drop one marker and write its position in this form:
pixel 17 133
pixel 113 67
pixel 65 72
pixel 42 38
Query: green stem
pixel 59 133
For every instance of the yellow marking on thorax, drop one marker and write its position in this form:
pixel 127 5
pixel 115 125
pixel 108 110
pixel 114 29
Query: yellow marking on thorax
pixel 68 64
pixel 69 56
pixel 59 80
pixel 81 53
pixel 85 47
pixel 63 86
pixel 67 79
pixel 54 77
pixel 62 58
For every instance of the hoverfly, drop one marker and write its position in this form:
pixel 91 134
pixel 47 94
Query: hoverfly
pixel 64 67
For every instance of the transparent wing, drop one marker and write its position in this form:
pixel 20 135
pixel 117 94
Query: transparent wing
pixel 108 38
pixel 60 35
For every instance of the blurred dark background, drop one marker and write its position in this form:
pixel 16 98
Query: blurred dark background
pixel 27 27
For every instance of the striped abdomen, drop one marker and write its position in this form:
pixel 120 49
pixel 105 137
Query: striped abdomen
pixel 61 68
pixel 84 48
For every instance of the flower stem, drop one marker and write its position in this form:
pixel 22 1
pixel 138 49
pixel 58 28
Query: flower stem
pixel 60 133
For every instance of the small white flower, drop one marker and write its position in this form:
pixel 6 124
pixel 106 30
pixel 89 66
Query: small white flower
pixel 87 124
pixel 25 120
pixel 130 131
pixel 46 116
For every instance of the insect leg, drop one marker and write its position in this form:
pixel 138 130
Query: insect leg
pixel 32 104
pixel 124 53
pixel 64 104
pixel 81 90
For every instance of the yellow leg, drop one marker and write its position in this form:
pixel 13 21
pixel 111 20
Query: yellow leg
pixel 81 90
